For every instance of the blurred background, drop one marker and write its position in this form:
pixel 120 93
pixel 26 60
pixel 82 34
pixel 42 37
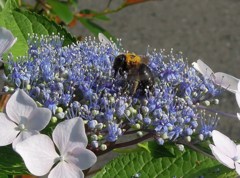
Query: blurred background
pixel 205 29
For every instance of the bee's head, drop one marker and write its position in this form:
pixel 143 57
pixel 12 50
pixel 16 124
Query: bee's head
pixel 120 65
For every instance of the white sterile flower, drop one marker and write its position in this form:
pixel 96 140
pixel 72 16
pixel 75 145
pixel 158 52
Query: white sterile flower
pixel 22 119
pixel 204 69
pixel 231 84
pixel 224 80
pixel 39 154
pixel 7 40
pixel 225 150
pixel 238 99
pixel 227 81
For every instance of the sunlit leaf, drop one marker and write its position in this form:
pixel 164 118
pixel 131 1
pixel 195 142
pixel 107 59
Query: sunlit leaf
pixel 11 163
pixel 156 150
pixel 21 23
pixel 186 163
pixel 2 4
pixel 10 4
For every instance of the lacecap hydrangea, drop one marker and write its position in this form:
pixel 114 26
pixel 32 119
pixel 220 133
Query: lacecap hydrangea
pixel 78 81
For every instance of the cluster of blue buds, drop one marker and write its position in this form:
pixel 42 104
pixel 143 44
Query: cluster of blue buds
pixel 78 81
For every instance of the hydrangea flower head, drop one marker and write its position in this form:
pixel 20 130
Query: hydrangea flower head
pixel 79 79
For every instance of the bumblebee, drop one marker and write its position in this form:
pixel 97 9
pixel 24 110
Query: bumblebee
pixel 138 74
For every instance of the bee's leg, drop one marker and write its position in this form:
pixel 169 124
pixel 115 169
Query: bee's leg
pixel 134 87
pixel 125 87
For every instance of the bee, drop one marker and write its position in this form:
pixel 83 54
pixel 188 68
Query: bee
pixel 133 67
pixel 139 75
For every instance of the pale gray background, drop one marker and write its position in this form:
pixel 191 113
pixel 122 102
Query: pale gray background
pixel 207 30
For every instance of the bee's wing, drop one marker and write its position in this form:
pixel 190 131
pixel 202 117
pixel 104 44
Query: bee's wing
pixel 144 59
pixel 105 41
pixel 7 40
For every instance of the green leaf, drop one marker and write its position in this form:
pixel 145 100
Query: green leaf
pixel 2 4
pixel 156 150
pixel 3 175
pixel 187 164
pixel 127 150
pixel 21 23
pixel 62 10
pixel 95 28
pixel 11 163
pixel 11 4
pixel 94 14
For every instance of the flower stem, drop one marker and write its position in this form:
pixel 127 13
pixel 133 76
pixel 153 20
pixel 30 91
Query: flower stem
pixel 124 144
pixel 219 112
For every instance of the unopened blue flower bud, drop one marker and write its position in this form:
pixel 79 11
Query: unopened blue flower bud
pixel 92 124
pixel 189 131
pixel 147 120
pixel 160 141
pixel 94 144
pixel 139 117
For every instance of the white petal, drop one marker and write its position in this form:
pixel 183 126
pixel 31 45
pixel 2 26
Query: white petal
pixel 8 130
pixel 238 115
pixel 105 41
pixel 226 81
pixel 82 158
pixel 204 69
pixel 239 86
pixel 222 158
pixel 20 106
pixel 238 151
pixel 23 136
pixel 38 153
pixel 39 119
pixel 65 170
pixel 237 166
pixel 7 40
pixel 237 95
pixel 224 144
pixel 69 133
